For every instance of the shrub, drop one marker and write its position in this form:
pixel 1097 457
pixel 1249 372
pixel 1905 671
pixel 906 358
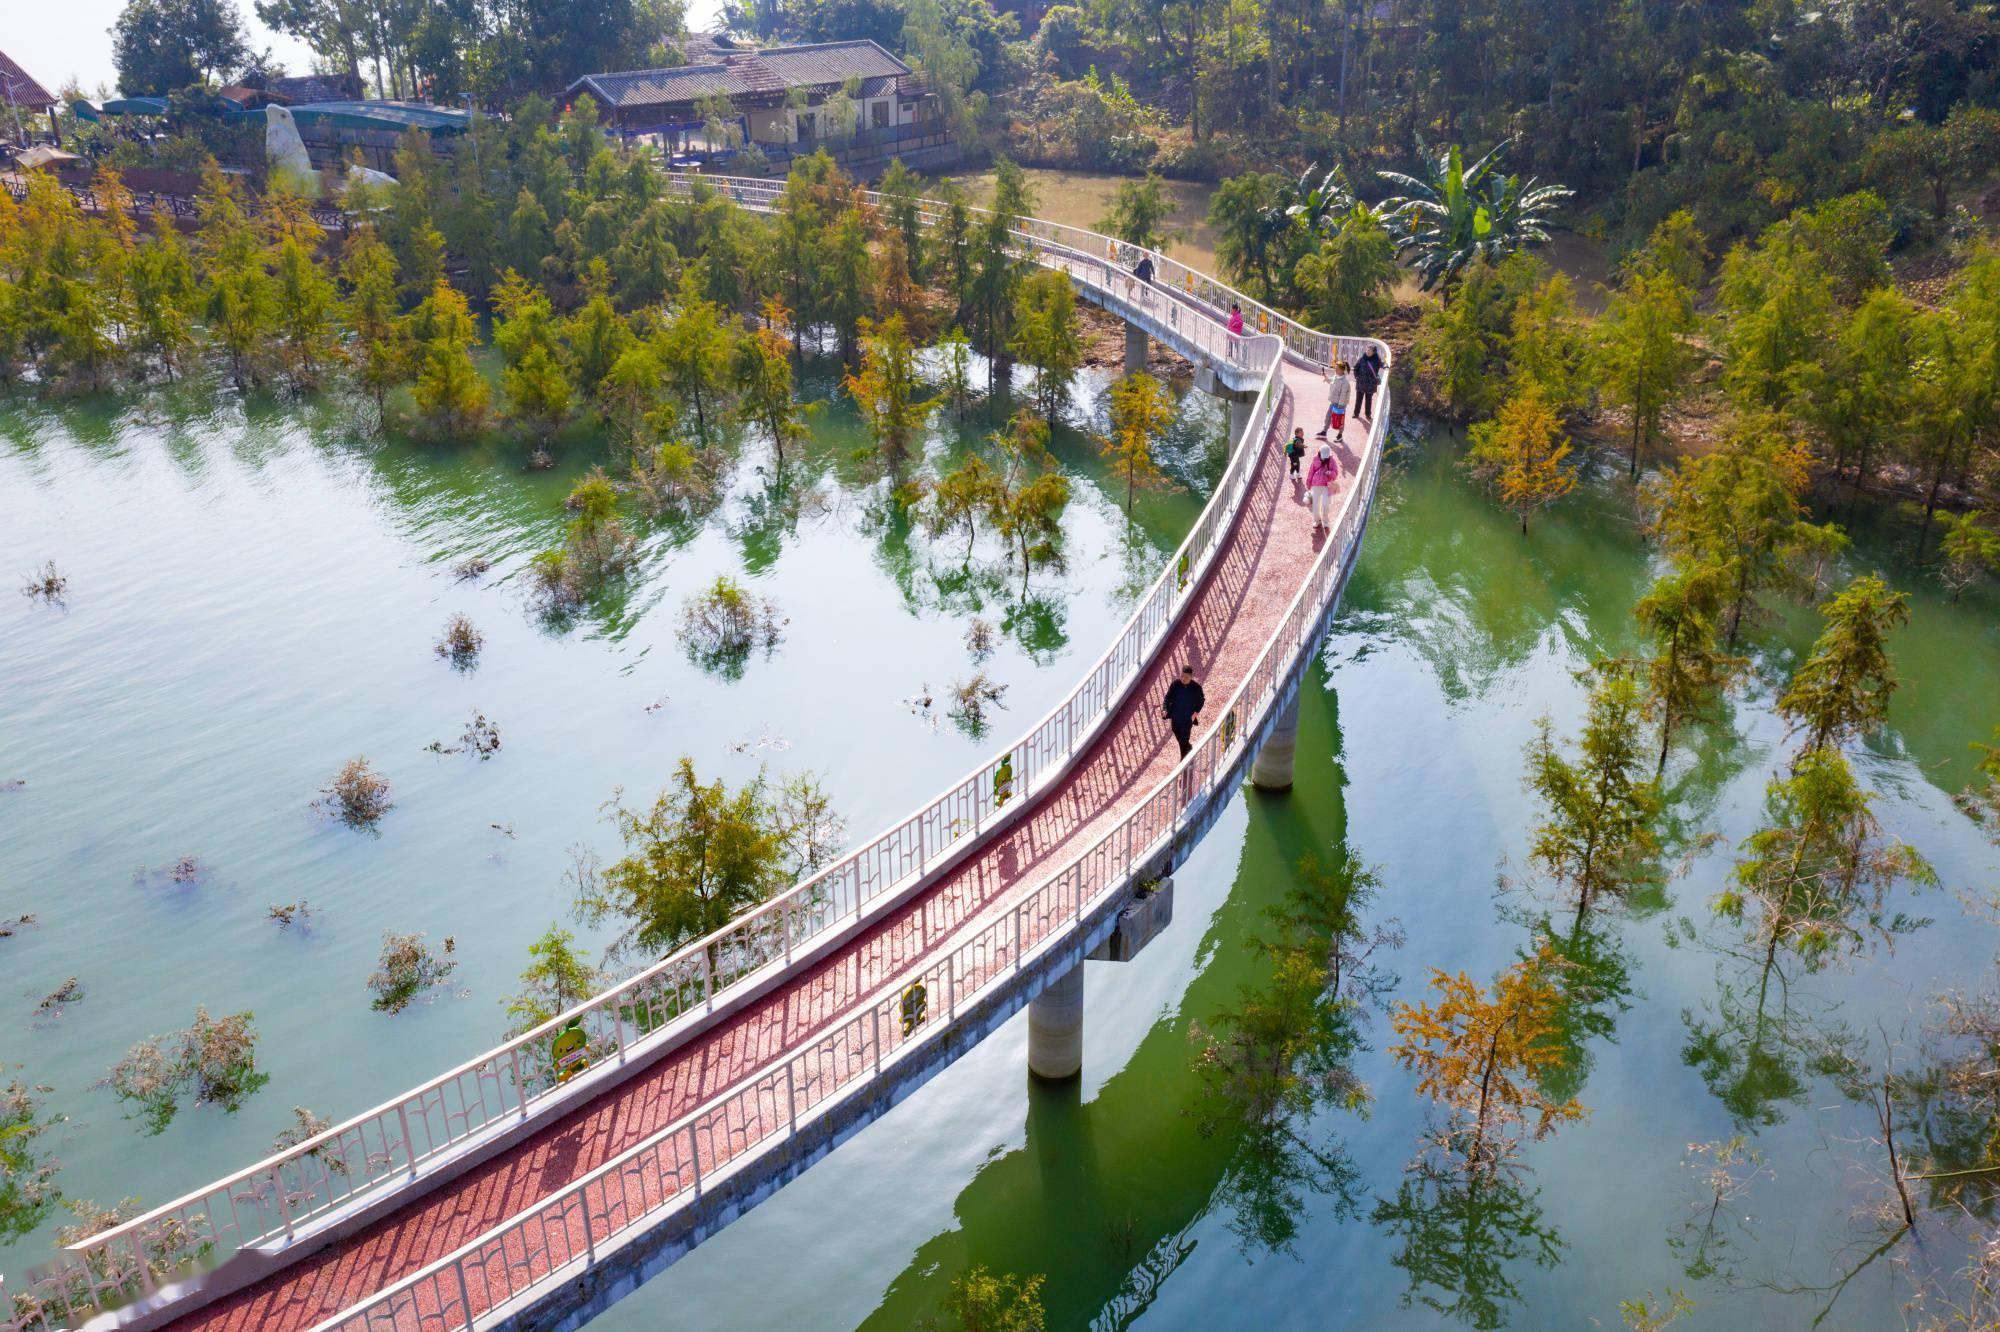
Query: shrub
pixel 971 698
pixel 726 622
pixel 213 1061
pixel 406 969
pixel 461 642
pixel 27 1180
pixel 288 914
pixel 481 738
pixel 359 795
pixel 45 584
pixel 981 639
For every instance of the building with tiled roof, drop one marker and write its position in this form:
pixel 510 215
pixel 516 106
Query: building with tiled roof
pixel 22 100
pixel 777 92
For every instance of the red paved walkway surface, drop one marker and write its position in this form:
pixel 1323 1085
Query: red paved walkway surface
pixel 1243 597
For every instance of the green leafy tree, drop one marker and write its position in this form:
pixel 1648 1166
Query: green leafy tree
pixel 1643 354
pixel 764 393
pixel 1456 214
pixel 1815 878
pixel 1141 413
pixel 162 46
pixel 885 389
pixel 1970 549
pixel 557 979
pixel 956 351
pixel 596 336
pixel 237 296
pixel 694 348
pixel 1548 347
pixel 694 859
pixel 960 497
pixel 1929 159
pixel 1740 511
pixel 451 396
pixel 1027 503
pixel 304 303
pixel 1599 809
pixel 1841 692
pixel 376 341
pixel 1346 281
pixel 1140 210
pixel 1687 670
pixel 166 299
pixel 1047 336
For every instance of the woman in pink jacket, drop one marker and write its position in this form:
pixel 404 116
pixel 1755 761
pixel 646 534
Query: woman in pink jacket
pixel 1319 485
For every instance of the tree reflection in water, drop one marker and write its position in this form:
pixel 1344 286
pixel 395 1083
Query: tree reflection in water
pixel 1286 1051
pixel 1460 1234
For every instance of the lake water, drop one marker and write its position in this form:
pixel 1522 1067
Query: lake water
pixel 254 593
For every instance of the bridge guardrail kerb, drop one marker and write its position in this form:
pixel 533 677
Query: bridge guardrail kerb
pixel 701 1149
pixel 281 1195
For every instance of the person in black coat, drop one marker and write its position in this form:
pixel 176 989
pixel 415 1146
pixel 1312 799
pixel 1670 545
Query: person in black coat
pixel 1367 378
pixel 1144 270
pixel 1183 706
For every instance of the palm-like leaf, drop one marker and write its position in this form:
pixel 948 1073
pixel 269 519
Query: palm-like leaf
pixel 1463 213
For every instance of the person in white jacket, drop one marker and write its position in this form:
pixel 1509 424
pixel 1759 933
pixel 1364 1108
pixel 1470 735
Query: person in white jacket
pixel 1339 393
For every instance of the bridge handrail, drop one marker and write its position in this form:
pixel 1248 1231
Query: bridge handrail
pixel 380 1146
pixel 668 1165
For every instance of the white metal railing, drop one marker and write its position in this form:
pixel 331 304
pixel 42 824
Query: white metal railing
pixel 568 1231
pixel 387 1146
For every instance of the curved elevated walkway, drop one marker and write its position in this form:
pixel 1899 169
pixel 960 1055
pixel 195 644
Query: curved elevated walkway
pixel 499 1195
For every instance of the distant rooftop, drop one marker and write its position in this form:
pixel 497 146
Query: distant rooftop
pixel 18 89
pixel 744 72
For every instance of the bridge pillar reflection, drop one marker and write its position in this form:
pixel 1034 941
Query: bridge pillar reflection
pixel 1240 407
pixel 1137 347
pixel 1272 770
pixel 1055 1028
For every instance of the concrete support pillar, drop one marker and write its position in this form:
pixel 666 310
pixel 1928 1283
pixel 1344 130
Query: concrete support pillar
pixel 1137 346
pixel 1055 1028
pixel 1240 407
pixel 1272 770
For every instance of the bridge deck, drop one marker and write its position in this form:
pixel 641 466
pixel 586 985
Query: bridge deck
pixel 1238 605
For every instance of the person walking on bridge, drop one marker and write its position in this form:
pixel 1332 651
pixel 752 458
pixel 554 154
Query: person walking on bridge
pixel 1319 485
pixel 1143 270
pixel 1235 328
pixel 1183 706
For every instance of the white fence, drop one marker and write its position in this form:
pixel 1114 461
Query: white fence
pixel 386 1147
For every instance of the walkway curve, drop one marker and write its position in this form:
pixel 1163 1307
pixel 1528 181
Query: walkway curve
pixel 959 892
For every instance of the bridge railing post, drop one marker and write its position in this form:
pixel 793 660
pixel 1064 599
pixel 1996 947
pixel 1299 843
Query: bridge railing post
pixel 465 1292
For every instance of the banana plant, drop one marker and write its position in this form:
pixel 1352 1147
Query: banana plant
pixel 1462 213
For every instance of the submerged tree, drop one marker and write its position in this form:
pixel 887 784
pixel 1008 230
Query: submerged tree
pixel 1687 672
pixel 213 1061
pixel 1141 413
pixel 1597 835
pixel 1046 336
pixel 699 856
pixel 1815 878
pixel 451 396
pixel 557 979
pixel 886 390
pixel 1841 692
pixel 1482 1056
pixel 27 1177
pixel 1521 453
pixel 764 393
pixel 1741 512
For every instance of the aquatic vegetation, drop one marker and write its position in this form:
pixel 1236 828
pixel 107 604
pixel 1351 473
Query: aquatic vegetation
pixel 407 969
pixel 288 914
pixel 980 640
pixel 982 1302
pixel 308 1125
pixel 27 1178
pixel 53 1003
pixel 970 698
pixel 724 623
pixel 45 584
pixel 186 872
pixel 461 641
pixel 359 796
pixel 596 547
pixel 212 1062
pixel 481 738
pixel 472 566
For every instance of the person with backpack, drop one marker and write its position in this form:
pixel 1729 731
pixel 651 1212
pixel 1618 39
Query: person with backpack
pixel 1295 450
